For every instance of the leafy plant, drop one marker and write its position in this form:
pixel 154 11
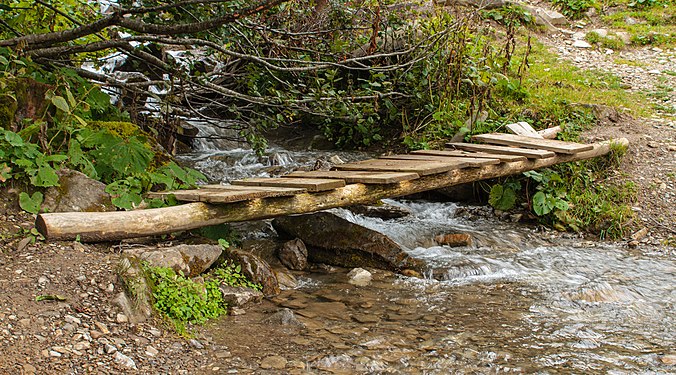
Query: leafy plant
pixel 503 197
pixel 575 9
pixel 30 203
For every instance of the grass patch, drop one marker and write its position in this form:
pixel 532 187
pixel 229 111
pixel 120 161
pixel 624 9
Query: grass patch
pixel 634 63
pixel 655 21
pixel 610 41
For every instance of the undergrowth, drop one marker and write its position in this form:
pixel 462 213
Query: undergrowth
pixel 183 301
pixel 55 119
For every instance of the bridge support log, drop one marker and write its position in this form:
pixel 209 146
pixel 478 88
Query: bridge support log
pixel 113 226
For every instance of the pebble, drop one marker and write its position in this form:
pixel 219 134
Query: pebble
pixel 73 320
pixel 54 353
pixel 124 360
pixel 151 351
pixel 121 318
pixel 274 362
pixel 95 334
pixel 29 369
pixel 102 327
pixel 581 44
pixel 654 71
pixel 196 344
pixel 109 349
pixel 82 345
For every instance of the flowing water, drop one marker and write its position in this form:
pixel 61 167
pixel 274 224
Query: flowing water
pixel 518 300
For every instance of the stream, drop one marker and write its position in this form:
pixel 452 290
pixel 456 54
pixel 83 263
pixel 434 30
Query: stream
pixel 520 299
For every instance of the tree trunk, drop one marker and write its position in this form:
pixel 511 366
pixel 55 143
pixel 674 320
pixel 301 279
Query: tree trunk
pixel 112 226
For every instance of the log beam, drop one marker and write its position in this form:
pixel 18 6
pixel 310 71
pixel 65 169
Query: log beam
pixel 113 226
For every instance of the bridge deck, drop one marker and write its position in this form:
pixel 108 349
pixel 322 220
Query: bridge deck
pixel 388 169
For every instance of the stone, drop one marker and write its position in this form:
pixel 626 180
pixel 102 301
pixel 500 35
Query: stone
pixel 136 302
pixel 669 359
pixel 191 260
pixel 286 280
pixel 603 33
pixel 239 296
pixel 579 35
pixel 124 360
pixel 630 21
pixel 654 71
pixel 73 320
pixel 293 255
pixel 454 239
pixel 196 344
pixel 545 17
pixel 333 240
pixel 29 369
pixel 639 234
pixel 76 192
pixel 335 159
pixel 151 351
pixel 82 345
pixel 383 211
pixel 255 269
pixel 624 36
pixel 121 318
pixel 95 334
pixel 23 244
pixel 359 277
pixel 274 362
pixel 109 349
pixel 581 44
pixel 284 317
pixel 102 327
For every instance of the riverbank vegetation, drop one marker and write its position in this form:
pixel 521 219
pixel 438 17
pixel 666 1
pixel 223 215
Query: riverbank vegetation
pixel 90 89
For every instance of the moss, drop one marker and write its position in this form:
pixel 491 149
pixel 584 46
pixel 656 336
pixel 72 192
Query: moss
pixel 121 129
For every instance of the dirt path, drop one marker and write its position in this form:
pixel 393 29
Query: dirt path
pixel 651 159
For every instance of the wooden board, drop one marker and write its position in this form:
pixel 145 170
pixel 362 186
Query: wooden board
pixel 524 129
pixel 311 184
pixel 356 177
pixel 480 155
pixel 471 162
pixel 540 144
pixel 422 168
pixel 530 154
pixel 226 193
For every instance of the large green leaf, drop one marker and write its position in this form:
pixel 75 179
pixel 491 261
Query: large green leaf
pixel 61 103
pixel 502 198
pixel 31 203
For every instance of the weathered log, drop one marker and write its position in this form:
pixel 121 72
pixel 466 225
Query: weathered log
pixel 112 226
pixel 550 133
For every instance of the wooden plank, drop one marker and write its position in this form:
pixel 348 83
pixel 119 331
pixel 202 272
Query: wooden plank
pixel 422 168
pixel 480 155
pixel 471 162
pixel 540 144
pixel 356 177
pixel 524 129
pixel 531 154
pixel 311 184
pixel 226 193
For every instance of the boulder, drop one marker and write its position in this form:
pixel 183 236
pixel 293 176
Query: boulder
pixel 286 280
pixel 384 211
pixel 77 192
pixel 545 17
pixel 255 269
pixel 359 277
pixel 239 296
pixel 293 255
pixel 191 260
pixel 333 240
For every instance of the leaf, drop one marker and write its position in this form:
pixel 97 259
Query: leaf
pixel 46 176
pixel 71 98
pixel 561 204
pixel 60 103
pixel 540 204
pixel 30 203
pixel 50 297
pixel 502 198
pixel 14 139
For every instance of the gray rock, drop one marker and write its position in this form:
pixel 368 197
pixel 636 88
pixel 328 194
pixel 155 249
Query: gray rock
pixel 359 277
pixel 151 351
pixel 240 296
pixel 255 269
pixel 545 17
pixel 581 44
pixel 124 360
pixel 293 255
pixel 196 344
pixel 603 33
pixel 136 302
pixel 624 36
pixel 191 260
pixel 284 317
pixel 77 192
pixel 336 241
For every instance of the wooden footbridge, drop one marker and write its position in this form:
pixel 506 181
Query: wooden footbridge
pixel 348 184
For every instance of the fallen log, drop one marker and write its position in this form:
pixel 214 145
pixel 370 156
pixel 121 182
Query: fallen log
pixel 112 226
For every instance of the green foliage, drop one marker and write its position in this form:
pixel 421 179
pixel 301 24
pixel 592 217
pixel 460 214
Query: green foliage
pixel 503 197
pixel 31 203
pixel 575 9
pixel 611 41
pixel 70 134
pixel 184 301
